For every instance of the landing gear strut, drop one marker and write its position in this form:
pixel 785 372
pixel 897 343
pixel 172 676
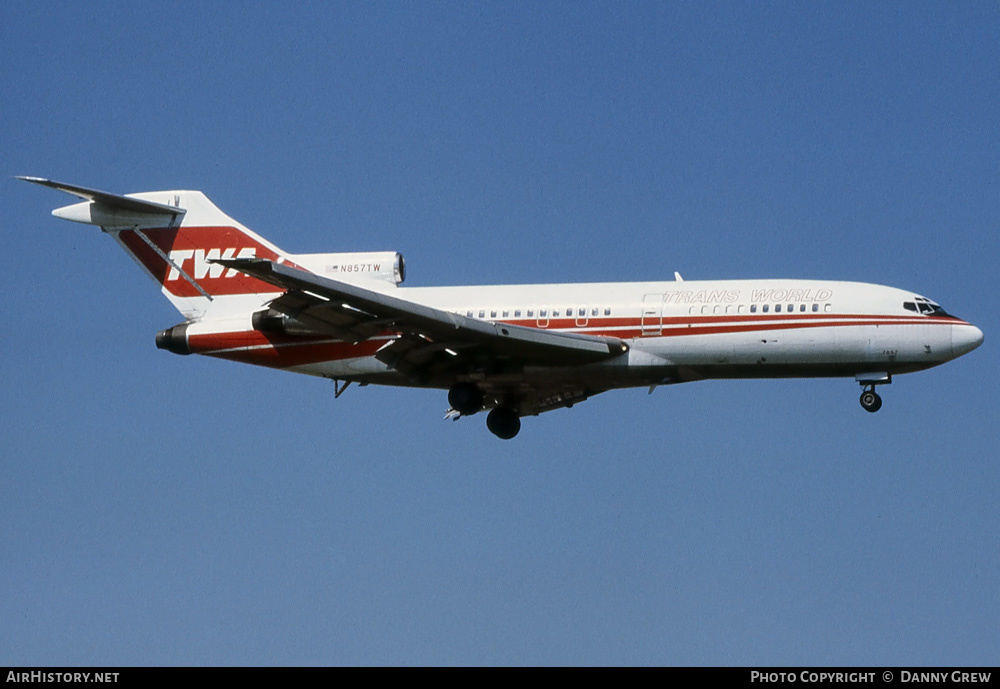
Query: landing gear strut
pixel 503 422
pixel 870 399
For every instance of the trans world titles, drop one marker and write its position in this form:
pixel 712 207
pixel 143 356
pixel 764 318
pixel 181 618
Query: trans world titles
pixel 731 296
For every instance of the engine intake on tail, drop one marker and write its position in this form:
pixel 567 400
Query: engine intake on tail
pixel 174 339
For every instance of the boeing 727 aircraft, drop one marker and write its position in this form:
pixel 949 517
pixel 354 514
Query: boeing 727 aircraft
pixel 512 350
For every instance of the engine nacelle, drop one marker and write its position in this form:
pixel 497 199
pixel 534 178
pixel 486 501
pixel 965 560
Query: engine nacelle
pixel 271 321
pixel 381 266
pixel 174 339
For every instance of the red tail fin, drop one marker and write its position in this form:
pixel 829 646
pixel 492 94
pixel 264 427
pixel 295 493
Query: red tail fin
pixel 180 259
pixel 175 236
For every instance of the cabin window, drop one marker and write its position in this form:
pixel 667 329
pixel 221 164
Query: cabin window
pixel 753 308
pixel 607 311
pixel 815 308
pixel 777 308
pixel 593 311
pixel 482 314
pixel 493 313
pixel 506 313
pixel 765 308
pixel 827 308
pixel 543 313
pixel 531 313
pixel 582 311
pixel 469 314
pixel 555 313
pixel 517 313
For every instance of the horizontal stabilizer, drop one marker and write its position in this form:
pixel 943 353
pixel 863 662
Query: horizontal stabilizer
pixel 104 206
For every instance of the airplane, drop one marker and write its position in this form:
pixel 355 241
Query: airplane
pixel 511 350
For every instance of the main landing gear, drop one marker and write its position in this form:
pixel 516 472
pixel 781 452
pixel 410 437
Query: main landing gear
pixel 467 399
pixel 503 422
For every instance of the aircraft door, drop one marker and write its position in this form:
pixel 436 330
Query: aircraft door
pixel 543 317
pixel 652 314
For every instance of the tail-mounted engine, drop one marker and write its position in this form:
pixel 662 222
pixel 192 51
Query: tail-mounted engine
pixel 174 339
pixel 277 323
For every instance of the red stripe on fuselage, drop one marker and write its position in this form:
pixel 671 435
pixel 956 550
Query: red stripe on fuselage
pixel 282 351
pixel 683 321
pixel 276 351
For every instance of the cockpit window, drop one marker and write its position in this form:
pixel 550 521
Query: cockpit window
pixel 924 306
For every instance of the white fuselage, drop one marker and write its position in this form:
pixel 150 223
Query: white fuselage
pixel 677 331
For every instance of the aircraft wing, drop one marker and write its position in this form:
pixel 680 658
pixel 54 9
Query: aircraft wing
pixel 429 343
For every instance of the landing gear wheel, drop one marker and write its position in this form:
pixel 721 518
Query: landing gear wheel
pixel 465 398
pixel 503 423
pixel 871 401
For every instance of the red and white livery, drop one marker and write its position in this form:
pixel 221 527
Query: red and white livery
pixel 511 350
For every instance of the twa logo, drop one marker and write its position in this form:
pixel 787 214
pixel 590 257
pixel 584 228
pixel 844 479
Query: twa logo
pixel 198 265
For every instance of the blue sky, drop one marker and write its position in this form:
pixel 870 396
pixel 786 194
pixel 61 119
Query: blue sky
pixel 157 509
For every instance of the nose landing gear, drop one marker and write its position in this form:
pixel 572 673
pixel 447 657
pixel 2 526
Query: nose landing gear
pixel 870 400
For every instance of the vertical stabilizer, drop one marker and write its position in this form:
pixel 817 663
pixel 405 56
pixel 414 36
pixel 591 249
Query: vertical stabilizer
pixel 176 236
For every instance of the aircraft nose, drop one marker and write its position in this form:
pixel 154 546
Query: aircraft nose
pixel 965 338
